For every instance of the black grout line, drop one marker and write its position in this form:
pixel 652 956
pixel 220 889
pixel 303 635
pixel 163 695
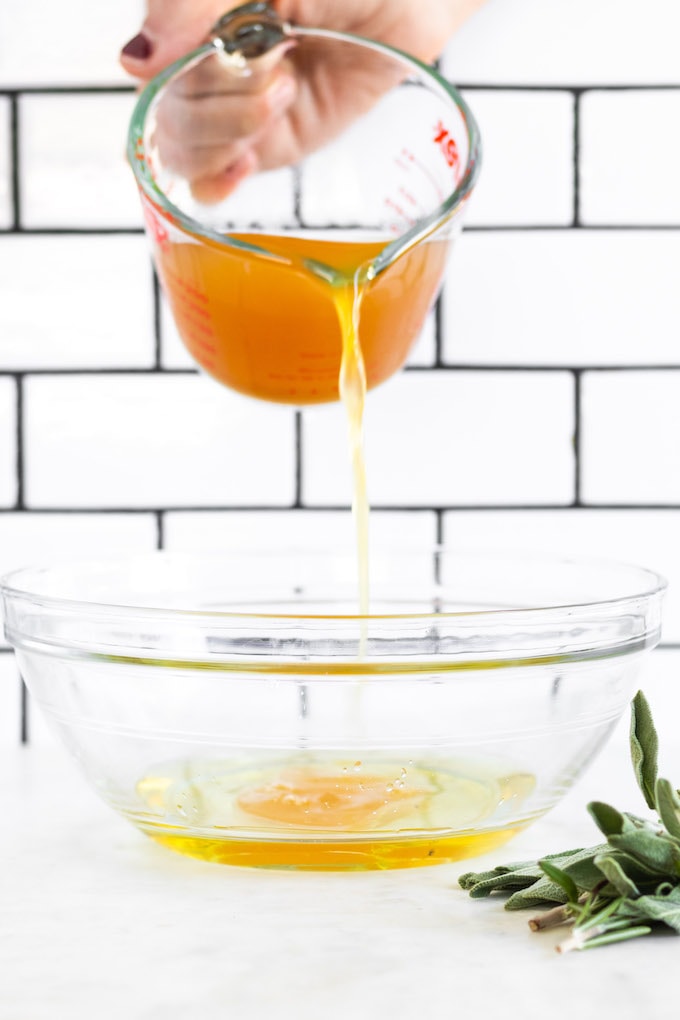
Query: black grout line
pixel 537 228
pixel 297 195
pixel 157 327
pixel 93 89
pixel 481 228
pixel 438 336
pixel 435 369
pixel 504 367
pixel 439 527
pixel 389 508
pixel 70 231
pixel 15 158
pixel 66 90
pixel 24 718
pixel 128 370
pixel 36 511
pixel 19 426
pixel 578 450
pixel 297 499
pixel 566 87
pixel 160 529
pixel 528 507
pixel 439 542
pixel 576 212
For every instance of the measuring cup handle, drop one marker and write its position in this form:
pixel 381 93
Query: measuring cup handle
pixel 249 32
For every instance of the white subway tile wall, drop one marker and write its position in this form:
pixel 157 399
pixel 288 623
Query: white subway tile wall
pixel 631 155
pixel 424 351
pixel 437 438
pixel 576 297
pixel 646 537
pixel 29 539
pixel 149 441
pixel 528 158
pixel 71 153
pixel 45 44
pixel 630 430
pixel 266 199
pixel 540 408
pixel 76 302
pixel 568 42
pixel 296 529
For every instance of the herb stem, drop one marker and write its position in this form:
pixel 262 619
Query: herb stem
pixel 551 918
pixel 603 937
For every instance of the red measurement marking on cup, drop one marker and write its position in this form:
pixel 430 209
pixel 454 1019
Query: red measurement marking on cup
pixel 189 291
pixel 407 161
pixel 404 158
pixel 447 144
pixel 157 229
pixel 408 196
pixel 399 210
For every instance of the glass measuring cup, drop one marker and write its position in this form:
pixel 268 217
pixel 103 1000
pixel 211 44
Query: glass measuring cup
pixel 355 224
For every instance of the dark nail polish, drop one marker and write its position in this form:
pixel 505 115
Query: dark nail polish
pixel 138 48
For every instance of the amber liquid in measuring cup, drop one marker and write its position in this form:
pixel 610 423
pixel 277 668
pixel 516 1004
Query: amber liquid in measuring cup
pixel 269 326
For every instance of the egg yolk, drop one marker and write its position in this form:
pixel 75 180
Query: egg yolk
pixel 304 798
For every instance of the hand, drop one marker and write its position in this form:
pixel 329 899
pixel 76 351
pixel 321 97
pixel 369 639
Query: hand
pixel 215 128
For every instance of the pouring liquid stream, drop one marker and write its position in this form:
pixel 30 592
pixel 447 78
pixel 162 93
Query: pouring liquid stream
pixel 352 388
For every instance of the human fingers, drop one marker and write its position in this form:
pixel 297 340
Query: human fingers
pixel 214 119
pixel 170 29
pixel 208 136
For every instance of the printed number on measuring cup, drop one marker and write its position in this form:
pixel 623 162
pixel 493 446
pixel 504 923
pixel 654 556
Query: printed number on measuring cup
pixel 442 137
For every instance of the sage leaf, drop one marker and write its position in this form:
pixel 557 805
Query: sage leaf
pixel 542 893
pixel 608 820
pixel 668 806
pixel 483 883
pixel 660 909
pixel 562 879
pixel 583 869
pixel 651 849
pixel 644 748
pixel 578 865
pixel 614 873
pixel 527 882
pixel 645 878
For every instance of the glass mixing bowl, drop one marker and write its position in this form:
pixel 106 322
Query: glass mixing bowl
pixel 235 708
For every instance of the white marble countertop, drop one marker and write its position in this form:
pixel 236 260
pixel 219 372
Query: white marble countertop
pixel 98 921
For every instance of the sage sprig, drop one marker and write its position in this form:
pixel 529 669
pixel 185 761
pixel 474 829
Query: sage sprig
pixel 620 889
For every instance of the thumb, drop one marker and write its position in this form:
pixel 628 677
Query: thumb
pixel 170 29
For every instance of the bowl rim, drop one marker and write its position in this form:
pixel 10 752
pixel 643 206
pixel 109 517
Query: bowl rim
pixel 11 586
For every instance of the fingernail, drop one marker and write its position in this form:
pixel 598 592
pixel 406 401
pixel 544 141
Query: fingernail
pixel 138 48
